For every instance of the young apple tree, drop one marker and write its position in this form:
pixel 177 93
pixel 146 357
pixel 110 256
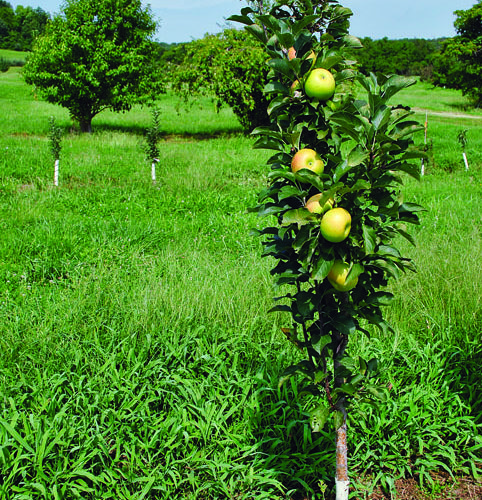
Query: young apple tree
pixel 55 138
pixel 151 148
pixel 333 223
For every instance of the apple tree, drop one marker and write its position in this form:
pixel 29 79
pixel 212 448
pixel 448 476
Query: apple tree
pixel 335 201
pixel 229 66
pixel 95 55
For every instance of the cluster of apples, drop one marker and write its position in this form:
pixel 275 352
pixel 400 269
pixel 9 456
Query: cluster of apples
pixel 335 224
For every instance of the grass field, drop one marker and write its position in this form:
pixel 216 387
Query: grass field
pixel 137 359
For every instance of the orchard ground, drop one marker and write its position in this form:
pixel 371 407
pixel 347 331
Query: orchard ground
pixel 136 355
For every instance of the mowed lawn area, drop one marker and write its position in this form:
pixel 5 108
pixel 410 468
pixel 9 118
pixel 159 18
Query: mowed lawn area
pixel 137 358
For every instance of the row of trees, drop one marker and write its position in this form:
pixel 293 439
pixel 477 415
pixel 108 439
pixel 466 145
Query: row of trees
pixel 98 54
pixel 20 27
pixel 409 57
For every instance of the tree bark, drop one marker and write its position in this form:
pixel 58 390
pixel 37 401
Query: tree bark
pixel 86 125
pixel 342 482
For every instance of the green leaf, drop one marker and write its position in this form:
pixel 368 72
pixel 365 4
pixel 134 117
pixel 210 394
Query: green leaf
pixel 352 41
pixel 319 417
pixel 282 66
pixel 339 419
pixel 303 367
pixel 280 308
pixel 298 216
pixel 257 31
pixel 344 324
pixel 304 235
pixel 276 103
pixel 381 118
pixel 305 302
pixel 380 299
pixel 17 436
pixel 276 87
pixel 241 19
pixel 380 393
pixel 394 84
pixel 323 265
pixel 319 343
pixel 265 142
pixel 369 239
pixel 349 389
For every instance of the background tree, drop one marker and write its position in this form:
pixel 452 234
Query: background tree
pixel 19 27
pixel 459 64
pixel 95 55
pixel 7 21
pixel 230 66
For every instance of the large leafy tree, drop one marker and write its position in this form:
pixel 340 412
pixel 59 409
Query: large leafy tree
pixel 459 64
pixel 230 66
pixel 95 55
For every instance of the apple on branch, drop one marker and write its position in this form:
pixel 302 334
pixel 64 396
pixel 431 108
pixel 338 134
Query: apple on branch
pixel 307 158
pixel 338 277
pixel 320 84
pixel 335 225
pixel 314 206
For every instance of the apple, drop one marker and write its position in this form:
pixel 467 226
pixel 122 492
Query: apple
pixel 307 158
pixel 338 274
pixel 335 225
pixel 320 84
pixel 313 204
pixel 292 54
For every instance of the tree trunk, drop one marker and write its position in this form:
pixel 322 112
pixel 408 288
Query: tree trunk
pixel 85 125
pixel 56 172
pixel 342 482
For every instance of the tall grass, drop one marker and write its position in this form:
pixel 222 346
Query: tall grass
pixel 136 356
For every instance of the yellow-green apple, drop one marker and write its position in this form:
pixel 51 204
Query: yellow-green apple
pixel 338 274
pixel 313 204
pixel 307 158
pixel 320 84
pixel 335 225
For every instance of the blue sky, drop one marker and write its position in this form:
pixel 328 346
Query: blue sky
pixel 184 20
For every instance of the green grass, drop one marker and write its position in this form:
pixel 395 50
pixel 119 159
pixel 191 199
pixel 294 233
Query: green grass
pixel 136 356
pixel 13 55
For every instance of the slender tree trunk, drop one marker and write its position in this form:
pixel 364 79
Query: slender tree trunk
pixel 342 482
pixel 56 172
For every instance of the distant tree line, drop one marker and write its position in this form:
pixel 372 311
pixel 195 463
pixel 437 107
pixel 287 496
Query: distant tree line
pixel 20 27
pixel 408 56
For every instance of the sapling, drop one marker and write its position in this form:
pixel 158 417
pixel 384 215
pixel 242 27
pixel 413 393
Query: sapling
pixel 55 138
pixel 462 138
pixel 153 134
pixel 332 263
